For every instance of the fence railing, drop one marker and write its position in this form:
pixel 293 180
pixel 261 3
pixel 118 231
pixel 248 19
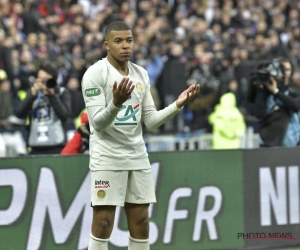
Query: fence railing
pixel 13 145
pixel 155 143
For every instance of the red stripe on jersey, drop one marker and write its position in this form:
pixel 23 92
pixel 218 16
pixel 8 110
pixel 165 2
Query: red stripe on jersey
pixel 136 106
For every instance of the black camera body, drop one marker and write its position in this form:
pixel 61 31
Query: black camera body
pixel 265 70
pixel 50 83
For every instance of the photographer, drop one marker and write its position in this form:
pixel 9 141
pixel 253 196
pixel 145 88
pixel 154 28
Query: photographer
pixel 48 107
pixel 275 104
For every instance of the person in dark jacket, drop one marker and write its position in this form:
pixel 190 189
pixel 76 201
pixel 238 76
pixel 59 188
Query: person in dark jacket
pixel 48 107
pixel 276 105
pixel 171 83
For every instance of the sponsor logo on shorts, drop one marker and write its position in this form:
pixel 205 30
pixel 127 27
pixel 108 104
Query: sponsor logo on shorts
pixel 102 184
pixel 101 193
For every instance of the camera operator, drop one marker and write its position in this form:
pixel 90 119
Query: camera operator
pixel 275 104
pixel 48 107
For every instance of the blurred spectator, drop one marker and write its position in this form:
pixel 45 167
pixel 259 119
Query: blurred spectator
pixel 48 107
pixel 296 81
pixel 228 123
pixel 30 17
pixel 27 70
pixel 6 100
pixel 154 67
pixel 171 83
pixel 215 37
pixel 80 141
pixel 228 85
pixel 10 138
pixel 202 105
pixel 64 70
pixel 77 102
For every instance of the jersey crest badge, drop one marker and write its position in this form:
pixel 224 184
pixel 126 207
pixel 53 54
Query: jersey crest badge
pixel 139 87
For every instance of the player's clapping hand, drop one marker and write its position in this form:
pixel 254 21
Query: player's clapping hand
pixel 188 95
pixel 122 91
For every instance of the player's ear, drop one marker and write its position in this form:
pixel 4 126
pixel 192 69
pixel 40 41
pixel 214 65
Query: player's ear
pixel 106 45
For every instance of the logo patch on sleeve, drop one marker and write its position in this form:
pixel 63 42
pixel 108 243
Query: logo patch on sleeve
pixel 92 92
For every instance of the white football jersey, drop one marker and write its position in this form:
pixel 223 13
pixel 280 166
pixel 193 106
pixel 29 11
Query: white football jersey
pixel 120 145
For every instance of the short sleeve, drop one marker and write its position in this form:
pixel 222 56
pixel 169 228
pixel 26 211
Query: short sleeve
pixel 93 87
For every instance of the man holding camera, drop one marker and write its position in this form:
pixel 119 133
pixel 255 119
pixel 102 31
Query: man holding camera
pixel 48 107
pixel 276 105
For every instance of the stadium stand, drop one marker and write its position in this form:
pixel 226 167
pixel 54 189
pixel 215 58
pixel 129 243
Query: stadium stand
pixel 219 40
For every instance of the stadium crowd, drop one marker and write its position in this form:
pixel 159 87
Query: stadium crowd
pixel 179 42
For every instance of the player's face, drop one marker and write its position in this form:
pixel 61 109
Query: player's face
pixel 119 44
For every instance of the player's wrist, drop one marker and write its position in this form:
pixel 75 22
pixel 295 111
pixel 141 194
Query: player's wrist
pixel 117 104
pixel 179 106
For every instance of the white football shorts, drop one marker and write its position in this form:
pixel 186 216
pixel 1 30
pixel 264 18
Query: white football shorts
pixel 117 187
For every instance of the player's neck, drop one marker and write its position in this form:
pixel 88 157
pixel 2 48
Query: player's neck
pixel 122 67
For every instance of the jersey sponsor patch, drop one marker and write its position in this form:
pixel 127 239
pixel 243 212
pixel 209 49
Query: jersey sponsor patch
pixel 127 115
pixel 92 92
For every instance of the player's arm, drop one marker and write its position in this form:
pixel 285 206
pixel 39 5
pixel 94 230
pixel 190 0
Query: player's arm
pixel 153 118
pixel 100 115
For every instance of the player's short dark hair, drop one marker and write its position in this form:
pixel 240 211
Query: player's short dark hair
pixel 116 26
pixel 50 68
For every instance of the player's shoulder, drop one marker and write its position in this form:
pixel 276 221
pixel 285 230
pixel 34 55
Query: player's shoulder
pixel 96 71
pixel 98 66
pixel 138 68
pixel 141 72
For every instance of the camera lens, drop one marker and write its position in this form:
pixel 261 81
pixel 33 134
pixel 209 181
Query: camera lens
pixel 50 83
